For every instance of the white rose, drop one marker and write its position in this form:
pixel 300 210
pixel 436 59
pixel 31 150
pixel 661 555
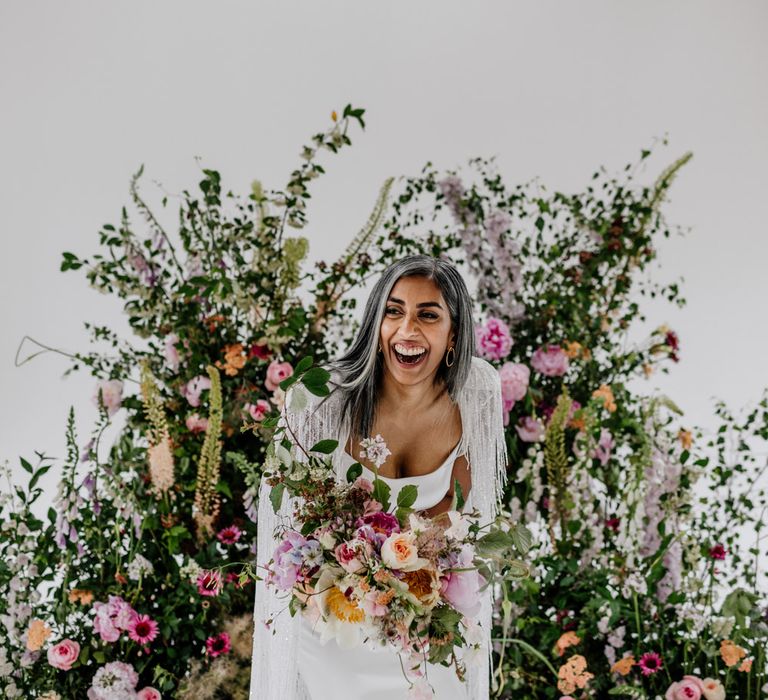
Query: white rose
pixel 399 552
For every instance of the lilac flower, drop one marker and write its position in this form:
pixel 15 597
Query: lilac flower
pixel 605 445
pixel 497 223
pixel 493 339
pixel 452 189
pixel 111 392
pixel 171 353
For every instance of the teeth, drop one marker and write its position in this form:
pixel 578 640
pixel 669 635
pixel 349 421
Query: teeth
pixel 410 352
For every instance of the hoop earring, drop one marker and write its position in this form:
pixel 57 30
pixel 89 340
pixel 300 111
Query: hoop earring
pixel 453 358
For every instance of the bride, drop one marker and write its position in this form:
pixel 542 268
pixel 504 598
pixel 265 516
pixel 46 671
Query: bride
pixel 411 377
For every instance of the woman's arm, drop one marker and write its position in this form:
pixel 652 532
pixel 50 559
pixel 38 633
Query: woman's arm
pixel 460 473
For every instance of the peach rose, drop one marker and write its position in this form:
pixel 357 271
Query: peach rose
pixel 63 654
pixel 712 689
pixel 399 552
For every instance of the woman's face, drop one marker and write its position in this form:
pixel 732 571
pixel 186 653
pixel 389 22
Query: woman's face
pixel 416 330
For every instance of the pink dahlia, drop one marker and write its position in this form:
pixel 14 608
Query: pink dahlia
pixel 229 535
pixel 650 663
pixel 218 644
pixel 143 629
pixel 494 340
pixel 550 360
pixel 209 583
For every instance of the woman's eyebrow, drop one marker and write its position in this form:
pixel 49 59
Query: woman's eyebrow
pixel 423 305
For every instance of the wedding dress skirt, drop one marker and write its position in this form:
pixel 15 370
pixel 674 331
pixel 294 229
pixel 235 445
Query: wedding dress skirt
pixel 332 673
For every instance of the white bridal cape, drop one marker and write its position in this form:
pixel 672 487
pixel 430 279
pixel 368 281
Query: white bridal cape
pixel 289 662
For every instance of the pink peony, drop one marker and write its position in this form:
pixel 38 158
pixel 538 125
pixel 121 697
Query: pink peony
pixel 114 681
pixel 171 353
pixel 551 361
pixel 690 688
pixel 218 644
pixel 196 424
pixel 530 429
pixel 493 339
pixel 149 693
pixel 514 383
pixel 462 588
pixel 381 524
pixel 112 618
pixel 111 395
pixel 194 387
pixel 63 654
pixel 229 535
pixel 257 411
pixel 209 583
pixel 142 629
pixel 276 372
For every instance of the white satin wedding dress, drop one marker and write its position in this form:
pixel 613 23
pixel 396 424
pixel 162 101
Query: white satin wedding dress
pixel 332 673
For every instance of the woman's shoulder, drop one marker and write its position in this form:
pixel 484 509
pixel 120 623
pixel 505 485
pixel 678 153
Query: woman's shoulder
pixel 483 376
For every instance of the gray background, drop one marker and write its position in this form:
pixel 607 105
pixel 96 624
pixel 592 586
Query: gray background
pixel 92 90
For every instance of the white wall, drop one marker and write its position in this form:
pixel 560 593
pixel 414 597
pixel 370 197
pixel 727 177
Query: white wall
pixel 89 91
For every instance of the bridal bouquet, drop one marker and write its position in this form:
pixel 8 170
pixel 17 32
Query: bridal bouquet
pixel 365 570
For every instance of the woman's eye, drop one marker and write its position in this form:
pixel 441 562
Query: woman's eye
pixel 429 315
pixel 392 309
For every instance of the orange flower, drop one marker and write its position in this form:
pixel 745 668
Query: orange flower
pixel 566 640
pixel 423 584
pixel 343 608
pixel 80 595
pixel 37 633
pixel 334 116
pixel 746 666
pixel 573 349
pixel 731 652
pixel 385 597
pixel 572 674
pixel 234 359
pixel 623 666
pixel 686 438
pixel 605 394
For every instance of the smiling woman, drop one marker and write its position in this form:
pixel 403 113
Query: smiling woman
pixel 410 377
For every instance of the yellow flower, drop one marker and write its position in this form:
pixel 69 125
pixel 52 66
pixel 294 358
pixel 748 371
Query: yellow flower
pixel 37 633
pixel 343 608
pixel 566 640
pixel 731 653
pixel 623 666
pixel 686 438
pixel 605 394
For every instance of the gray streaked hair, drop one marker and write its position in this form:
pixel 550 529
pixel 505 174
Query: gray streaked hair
pixel 361 367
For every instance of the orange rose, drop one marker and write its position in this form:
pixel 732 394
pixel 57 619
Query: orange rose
pixel 399 552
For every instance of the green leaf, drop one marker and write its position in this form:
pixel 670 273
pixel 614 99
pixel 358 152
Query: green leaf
pixel 288 381
pixel 521 538
pixel 316 380
pixel 407 496
pixel 276 496
pixel 494 544
pixel 457 502
pixel 37 475
pixel 325 446
pixel 402 515
pixel 223 487
pixel 381 492
pixel 354 472
pixel 304 364
pixel 26 465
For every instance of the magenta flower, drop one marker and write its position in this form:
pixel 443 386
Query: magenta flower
pixel 550 360
pixel 276 372
pixel 650 663
pixel 494 340
pixel 143 629
pixel 261 351
pixel 209 583
pixel 218 644
pixel 718 552
pixel 229 535
pixel 63 654
pixel 381 524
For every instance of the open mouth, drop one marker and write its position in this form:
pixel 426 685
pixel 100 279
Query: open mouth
pixel 412 357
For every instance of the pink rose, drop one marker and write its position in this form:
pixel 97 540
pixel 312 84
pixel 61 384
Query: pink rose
pixel 550 361
pixel 348 557
pixel 63 654
pixel 196 424
pixel 689 688
pixel 111 395
pixel 258 410
pixel 276 372
pixel 194 387
pixel 530 429
pixel 149 693
pixel 493 339
pixel 514 383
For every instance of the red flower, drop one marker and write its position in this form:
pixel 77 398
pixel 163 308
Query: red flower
pixel 218 644
pixel 260 351
pixel 718 552
pixel 229 535
pixel 612 524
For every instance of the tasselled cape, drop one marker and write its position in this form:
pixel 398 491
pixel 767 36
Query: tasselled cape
pixel 274 672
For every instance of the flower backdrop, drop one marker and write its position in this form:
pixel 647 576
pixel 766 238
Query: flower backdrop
pixel 647 534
